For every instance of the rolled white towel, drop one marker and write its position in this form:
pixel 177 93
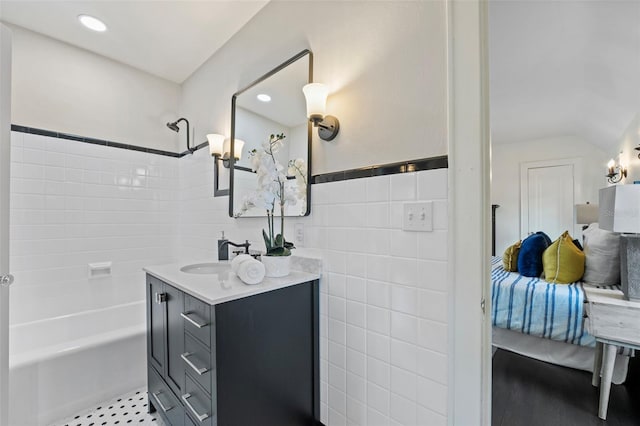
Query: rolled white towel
pixel 251 271
pixel 235 263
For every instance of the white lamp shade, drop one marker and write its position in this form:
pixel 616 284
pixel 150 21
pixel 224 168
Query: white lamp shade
pixel 316 96
pixel 586 214
pixel 239 146
pixel 620 208
pixel 216 143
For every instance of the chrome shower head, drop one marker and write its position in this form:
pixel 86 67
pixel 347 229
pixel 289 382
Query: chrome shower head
pixel 173 126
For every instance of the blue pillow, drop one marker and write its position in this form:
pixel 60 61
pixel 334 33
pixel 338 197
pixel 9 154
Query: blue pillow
pixel 530 256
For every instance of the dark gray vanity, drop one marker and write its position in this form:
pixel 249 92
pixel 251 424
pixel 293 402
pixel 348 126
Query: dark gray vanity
pixel 252 360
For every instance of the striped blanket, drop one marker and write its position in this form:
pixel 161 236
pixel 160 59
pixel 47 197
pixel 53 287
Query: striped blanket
pixel 533 306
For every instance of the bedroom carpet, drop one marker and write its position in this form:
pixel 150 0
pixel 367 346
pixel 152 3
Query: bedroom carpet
pixel 527 392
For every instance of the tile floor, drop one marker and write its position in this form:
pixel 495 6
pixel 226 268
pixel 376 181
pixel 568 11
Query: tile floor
pixel 128 409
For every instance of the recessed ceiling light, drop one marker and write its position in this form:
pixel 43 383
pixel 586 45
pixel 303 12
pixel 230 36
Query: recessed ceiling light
pixel 264 98
pixel 92 23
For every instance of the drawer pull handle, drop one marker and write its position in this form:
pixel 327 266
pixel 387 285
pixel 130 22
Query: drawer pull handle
pixel 155 396
pixel 200 417
pixel 185 357
pixel 196 323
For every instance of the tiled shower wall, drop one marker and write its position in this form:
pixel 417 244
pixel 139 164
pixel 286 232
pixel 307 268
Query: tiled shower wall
pixel 384 291
pixel 384 294
pixel 75 203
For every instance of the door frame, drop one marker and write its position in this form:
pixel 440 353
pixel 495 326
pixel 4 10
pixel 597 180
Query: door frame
pixel 5 163
pixel 576 162
pixel 469 240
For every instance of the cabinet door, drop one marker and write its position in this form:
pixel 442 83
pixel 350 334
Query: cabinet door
pixel 174 373
pixel 156 319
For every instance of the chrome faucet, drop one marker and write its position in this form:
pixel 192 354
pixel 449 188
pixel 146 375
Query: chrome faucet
pixel 224 254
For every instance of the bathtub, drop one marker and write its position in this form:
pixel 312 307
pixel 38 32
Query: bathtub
pixel 63 365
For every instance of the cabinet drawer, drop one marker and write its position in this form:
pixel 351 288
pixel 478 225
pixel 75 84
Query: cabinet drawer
pixel 197 362
pixel 198 404
pixel 197 319
pixel 164 401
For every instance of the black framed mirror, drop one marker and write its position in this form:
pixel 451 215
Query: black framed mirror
pixel 272 105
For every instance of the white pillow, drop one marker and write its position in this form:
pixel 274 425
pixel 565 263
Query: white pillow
pixel 602 256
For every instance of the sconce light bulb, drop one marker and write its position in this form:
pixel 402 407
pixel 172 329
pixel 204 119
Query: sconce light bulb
pixel 216 143
pixel 316 96
pixel 611 164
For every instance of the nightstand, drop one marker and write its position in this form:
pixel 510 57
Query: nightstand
pixel 615 323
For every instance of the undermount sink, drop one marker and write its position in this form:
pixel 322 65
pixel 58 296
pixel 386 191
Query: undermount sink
pixel 206 268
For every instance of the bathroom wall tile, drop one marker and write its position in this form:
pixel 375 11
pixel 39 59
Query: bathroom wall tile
pixel 405 299
pixel 404 327
pixel 337 380
pixel 403 187
pixel 356 387
pixel 377 188
pixel 404 355
pixel 404 383
pixel 356 338
pixel 379 372
pixel 379 346
pixel 337 355
pixel 378 267
pixel 428 417
pixel 356 412
pixel 432 335
pixel 379 294
pixel 336 418
pixel 356 314
pixel 378 398
pixel 432 365
pixel 337 308
pixel 356 362
pixel 377 215
pixel 357 264
pixel 432 395
pixel 440 215
pixel 432 275
pixel 404 244
pixel 337 331
pixel 432 184
pixel 375 418
pixel 337 284
pixel 433 305
pixel 356 289
pixel 432 245
pixel 403 410
pixel 378 320
pixel 403 271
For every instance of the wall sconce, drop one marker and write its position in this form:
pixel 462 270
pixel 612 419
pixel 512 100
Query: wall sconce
pixel 220 149
pixel 615 172
pixel 316 96
pixel 637 148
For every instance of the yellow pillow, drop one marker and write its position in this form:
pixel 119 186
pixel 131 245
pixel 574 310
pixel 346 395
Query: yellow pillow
pixel 510 257
pixel 562 261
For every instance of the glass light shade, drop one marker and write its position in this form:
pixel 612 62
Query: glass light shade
pixel 92 23
pixel 216 143
pixel 316 96
pixel 239 146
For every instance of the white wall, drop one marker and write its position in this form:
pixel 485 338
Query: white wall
pixel 74 203
pixel 505 178
pixel 384 62
pixel 67 89
pixel 628 143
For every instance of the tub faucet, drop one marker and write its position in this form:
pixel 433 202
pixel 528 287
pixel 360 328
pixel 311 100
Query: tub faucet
pixel 224 254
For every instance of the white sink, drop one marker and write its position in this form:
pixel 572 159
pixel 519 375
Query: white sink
pixel 206 268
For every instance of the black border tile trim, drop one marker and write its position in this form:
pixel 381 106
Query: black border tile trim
pixel 94 141
pixel 441 162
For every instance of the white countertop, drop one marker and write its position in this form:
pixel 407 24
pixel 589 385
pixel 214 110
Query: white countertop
pixel 222 287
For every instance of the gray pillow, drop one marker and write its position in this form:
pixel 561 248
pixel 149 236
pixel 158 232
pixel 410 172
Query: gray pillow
pixel 602 256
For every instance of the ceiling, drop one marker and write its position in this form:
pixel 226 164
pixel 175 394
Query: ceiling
pixel 560 68
pixel 169 39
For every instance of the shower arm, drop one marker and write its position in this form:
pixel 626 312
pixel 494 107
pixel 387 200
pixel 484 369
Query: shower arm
pixel 188 134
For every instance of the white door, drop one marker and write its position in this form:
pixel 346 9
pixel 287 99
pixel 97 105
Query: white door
pixel 5 278
pixel 548 194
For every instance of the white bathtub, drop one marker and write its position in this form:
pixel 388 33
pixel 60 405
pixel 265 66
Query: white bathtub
pixel 63 365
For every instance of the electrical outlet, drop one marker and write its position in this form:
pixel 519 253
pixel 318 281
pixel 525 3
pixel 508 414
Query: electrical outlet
pixel 418 216
pixel 298 234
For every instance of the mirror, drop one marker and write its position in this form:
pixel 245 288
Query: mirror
pixel 254 117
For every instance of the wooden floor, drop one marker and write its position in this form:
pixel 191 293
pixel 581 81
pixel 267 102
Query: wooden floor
pixel 529 392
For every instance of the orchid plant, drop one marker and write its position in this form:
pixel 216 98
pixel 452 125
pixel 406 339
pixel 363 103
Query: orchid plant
pixel 274 192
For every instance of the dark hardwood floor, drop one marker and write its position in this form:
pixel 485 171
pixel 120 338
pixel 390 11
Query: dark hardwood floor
pixel 529 392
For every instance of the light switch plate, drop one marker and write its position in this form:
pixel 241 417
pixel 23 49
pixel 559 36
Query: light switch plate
pixel 298 232
pixel 418 216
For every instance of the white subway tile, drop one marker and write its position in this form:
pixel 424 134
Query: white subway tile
pixel 378 398
pixel 337 379
pixel 356 362
pixel 379 294
pixel 377 215
pixel 403 187
pixel 356 338
pixel 396 215
pixel 356 412
pixel 337 285
pixel 427 417
pixel 440 215
pixel 433 305
pixel 336 418
pixel 378 372
pixel 378 320
pixel 433 335
pixel 432 365
pixel 356 289
pixel 404 327
pixel 356 314
pixel 403 271
pixel 356 387
pixel 379 346
pixel 337 331
pixel 378 267
pixel 404 244
pixel 377 188
pixel 403 410
pixel 337 355
pixel 375 418
pixel 378 241
pixel 432 395
pixel 432 275
pixel 432 184
pixel 404 355
pixel 403 383
pixel 432 245
pixel 337 308
pixel 404 299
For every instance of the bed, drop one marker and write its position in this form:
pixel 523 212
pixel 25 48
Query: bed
pixel 544 321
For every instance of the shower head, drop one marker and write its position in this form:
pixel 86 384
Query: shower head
pixel 174 126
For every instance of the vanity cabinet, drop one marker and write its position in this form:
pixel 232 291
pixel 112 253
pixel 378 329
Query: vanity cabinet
pixel 249 361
